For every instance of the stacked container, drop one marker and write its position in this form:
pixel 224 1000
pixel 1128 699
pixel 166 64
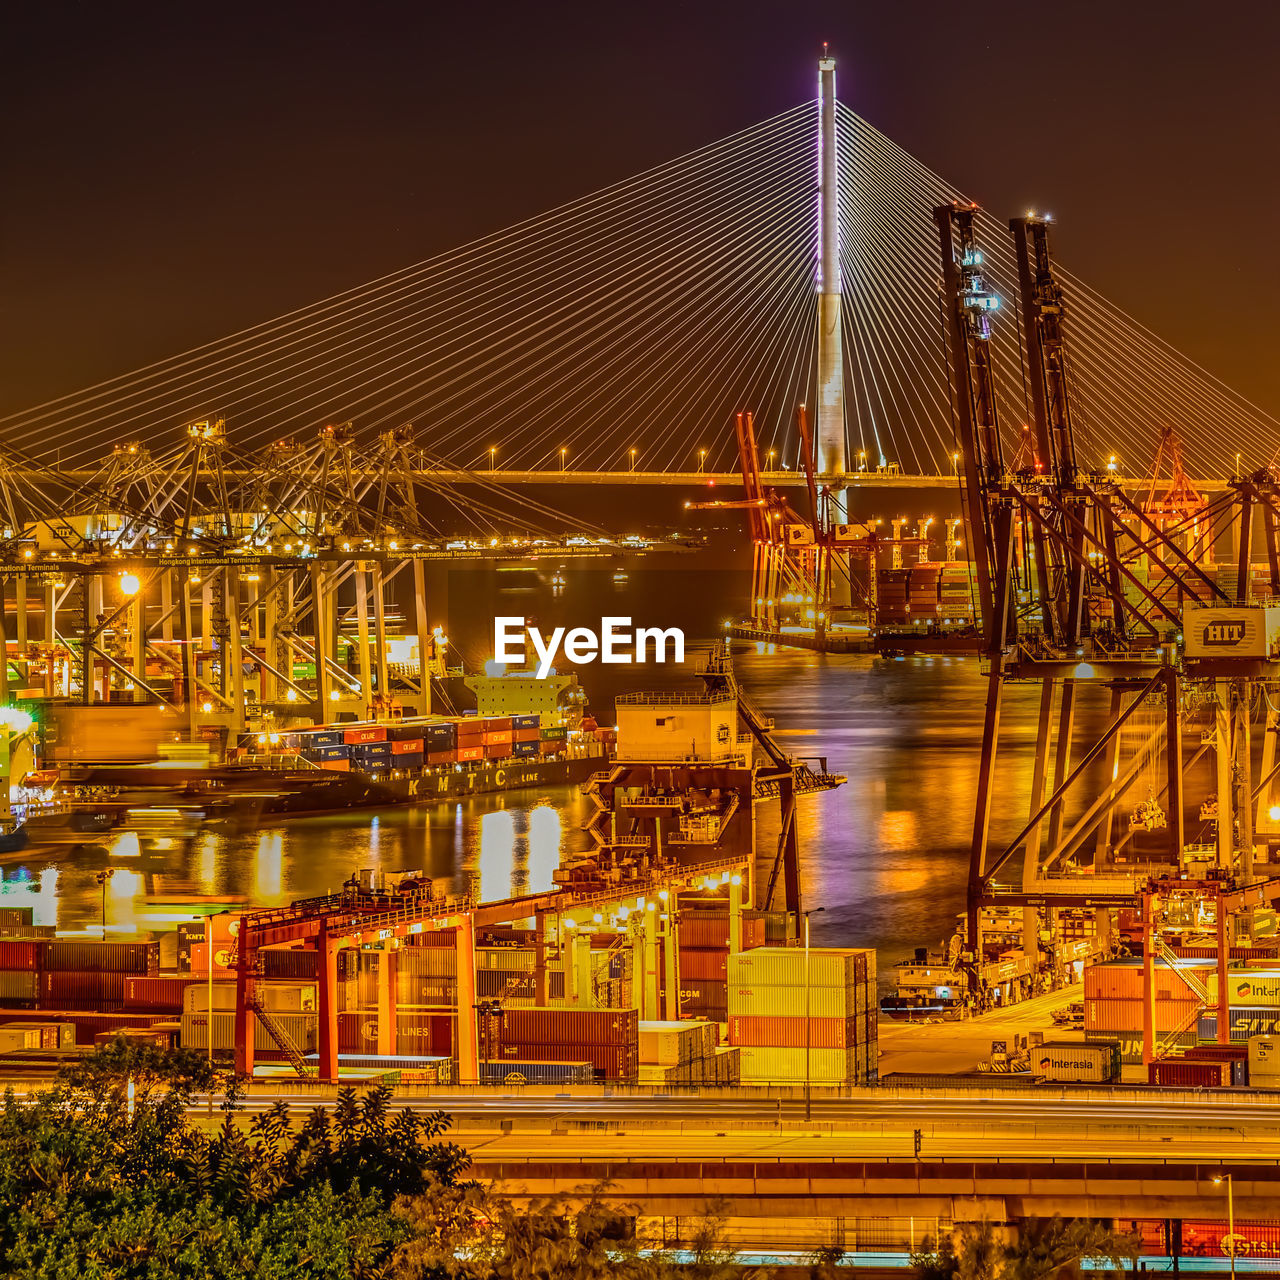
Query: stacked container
pixel 703 938
pixel 525 735
pixel 440 742
pixel 19 971
pixel 768 997
pixel 470 738
pixel 609 1038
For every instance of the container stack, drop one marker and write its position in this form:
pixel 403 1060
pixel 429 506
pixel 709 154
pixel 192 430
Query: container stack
pixel 768 996
pixel 292 1004
pixel 685 1053
pixel 1113 1004
pixel 955 592
pixel 524 735
pixel 608 1038
pixel 554 1073
pixel 703 938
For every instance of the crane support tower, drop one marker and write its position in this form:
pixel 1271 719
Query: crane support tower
pixel 1153 668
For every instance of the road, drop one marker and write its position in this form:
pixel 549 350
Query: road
pixel 879 1125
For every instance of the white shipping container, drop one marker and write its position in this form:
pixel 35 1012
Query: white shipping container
pixel 279 997
pixel 787 1066
pixel 14 1037
pixel 302 1028
pixel 1079 1063
pixel 670 1044
pixel 764 1001
pixel 1264 1056
pixel 1257 987
pixel 785 966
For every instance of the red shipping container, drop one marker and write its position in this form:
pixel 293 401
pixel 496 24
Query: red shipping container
pixel 372 733
pixel 156 995
pixel 525 735
pixel 406 746
pixel 72 989
pixel 441 757
pixel 572 1026
pixel 335 766
pixel 497 751
pixel 470 753
pixel 549 748
pixel 357 1033
pixel 1127 1015
pixel 502 739
pixel 1125 981
pixel 19 954
pixel 789 1033
pixel 703 964
pixel 497 724
pixel 614 1062
pixel 428 1034
pixel 1177 1074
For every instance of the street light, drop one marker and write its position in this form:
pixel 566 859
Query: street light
pixel 562 454
pixel 1231 1219
pixel 493 457
pixel 702 459
pixel 102 877
pixel 808 1025
pixel 633 459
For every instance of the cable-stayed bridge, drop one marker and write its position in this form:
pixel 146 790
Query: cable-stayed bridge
pixel 613 338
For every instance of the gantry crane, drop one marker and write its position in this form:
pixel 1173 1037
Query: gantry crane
pixel 1082 586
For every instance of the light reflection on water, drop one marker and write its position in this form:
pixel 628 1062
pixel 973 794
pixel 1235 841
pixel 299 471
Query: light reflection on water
pixel 886 855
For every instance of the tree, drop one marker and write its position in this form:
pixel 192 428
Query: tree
pixel 96 1181
pixel 1039 1248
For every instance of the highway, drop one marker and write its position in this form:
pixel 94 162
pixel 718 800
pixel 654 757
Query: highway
pixel 879 1125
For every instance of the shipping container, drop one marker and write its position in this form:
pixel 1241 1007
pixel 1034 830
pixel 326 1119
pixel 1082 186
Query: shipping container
pixel 553 733
pixel 796 1032
pixel 610 1061
pixel 19 987
pixel 517 1073
pixel 1244 1024
pixel 19 954
pixel 442 757
pixel 573 1026
pixel 526 722
pixel 409 762
pixel 765 1065
pixel 497 724
pixel 1180 1074
pixel 670 1043
pixel 327 755
pixel 1127 1015
pixel 523 749
pixel 12 916
pixel 72 989
pixel 769 1001
pixel 785 966
pixel 364 734
pixel 325 738
pixel 470 753
pixel 408 746
pixel 53 1035
pixel 161 994
pixel 1069 1062
pixel 301 1028
pixel 336 766
pixel 65 954
pixel 297 963
pixel 278 997
pixel 429 1033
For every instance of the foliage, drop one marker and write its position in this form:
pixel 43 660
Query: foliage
pixel 1037 1250
pixel 94 1185
pixel 482 1236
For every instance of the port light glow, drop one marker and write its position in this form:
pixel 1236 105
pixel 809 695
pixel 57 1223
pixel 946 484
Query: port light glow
pixel 15 719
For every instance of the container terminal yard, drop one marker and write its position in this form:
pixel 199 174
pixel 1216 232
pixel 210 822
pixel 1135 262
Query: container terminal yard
pixel 199 637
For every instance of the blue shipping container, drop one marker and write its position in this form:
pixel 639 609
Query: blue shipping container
pixel 524 748
pixel 340 752
pixel 439 737
pixel 538 1072
pixel 1245 1022
pixel 408 760
pixel 526 722
pixel 324 738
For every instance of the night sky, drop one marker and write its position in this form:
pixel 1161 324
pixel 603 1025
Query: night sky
pixel 174 172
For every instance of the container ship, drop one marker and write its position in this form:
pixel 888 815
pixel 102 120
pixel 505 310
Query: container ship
pixel 524 733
